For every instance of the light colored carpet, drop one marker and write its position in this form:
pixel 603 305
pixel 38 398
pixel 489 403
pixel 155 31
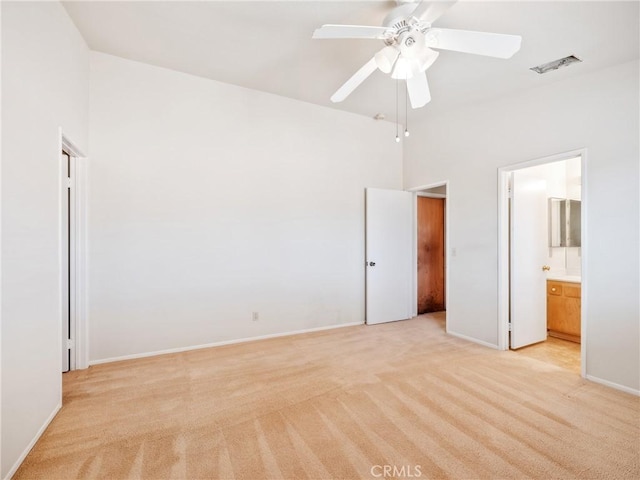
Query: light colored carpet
pixel 340 404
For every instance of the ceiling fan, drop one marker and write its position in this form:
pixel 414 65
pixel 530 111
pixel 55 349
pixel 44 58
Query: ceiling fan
pixel 409 42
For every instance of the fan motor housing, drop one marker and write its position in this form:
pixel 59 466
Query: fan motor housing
pixel 397 18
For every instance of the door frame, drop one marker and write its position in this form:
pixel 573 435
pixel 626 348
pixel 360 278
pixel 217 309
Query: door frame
pixel 503 246
pixel 447 219
pixel 78 259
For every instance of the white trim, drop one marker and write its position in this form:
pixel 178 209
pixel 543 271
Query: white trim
pixel 419 192
pixel 503 259
pixel 1 329
pixel 558 157
pixel 584 248
pixel 61 253
pixel 69 146
pixel 81 264
pixel 431 195
pixel 33 441
pixel 220 344
pixel 414 261
pixel 503 243
pixel 428 186
pixel 474 340
pixel 73 236
pixel 617 386
pixel 1 110
pixel 79 332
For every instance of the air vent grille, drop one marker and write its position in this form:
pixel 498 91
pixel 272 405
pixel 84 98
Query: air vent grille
pixel 556 64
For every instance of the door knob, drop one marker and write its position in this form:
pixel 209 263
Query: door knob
pixel 372 264
pixel 546 268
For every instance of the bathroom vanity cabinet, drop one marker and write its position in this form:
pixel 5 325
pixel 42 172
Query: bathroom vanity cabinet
pixel 563 310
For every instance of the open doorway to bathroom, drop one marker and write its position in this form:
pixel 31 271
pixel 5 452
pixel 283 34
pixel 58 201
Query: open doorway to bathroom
pixel 541 259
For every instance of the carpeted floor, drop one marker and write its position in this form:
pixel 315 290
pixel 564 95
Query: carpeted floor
pixel 401 399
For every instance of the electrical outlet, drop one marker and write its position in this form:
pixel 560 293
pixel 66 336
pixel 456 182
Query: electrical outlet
pixel 255 316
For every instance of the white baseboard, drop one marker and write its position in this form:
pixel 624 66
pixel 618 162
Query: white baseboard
pixel 474 340
pixel 220 344
pixel 617 386
pixel 32 443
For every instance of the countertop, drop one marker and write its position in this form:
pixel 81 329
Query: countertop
pixel 565 278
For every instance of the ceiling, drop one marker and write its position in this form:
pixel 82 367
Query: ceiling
pixel 267 45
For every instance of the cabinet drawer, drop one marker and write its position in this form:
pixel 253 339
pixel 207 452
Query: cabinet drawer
pixel 572 291
pixel 554 288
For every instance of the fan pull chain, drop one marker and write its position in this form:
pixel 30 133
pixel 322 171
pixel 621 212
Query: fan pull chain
pixel 406 109
pixel 397 136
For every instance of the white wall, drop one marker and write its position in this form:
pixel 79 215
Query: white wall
pixel 598 111
pixel 45 81
pixel 211 201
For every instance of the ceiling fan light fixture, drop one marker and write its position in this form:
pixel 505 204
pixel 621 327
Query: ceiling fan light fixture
pixel 427 60
pixel 386 58
pixel 402 69
pixel 409 37
pixel 412 44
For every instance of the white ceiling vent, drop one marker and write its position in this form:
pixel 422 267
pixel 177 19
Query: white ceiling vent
pixel 556 64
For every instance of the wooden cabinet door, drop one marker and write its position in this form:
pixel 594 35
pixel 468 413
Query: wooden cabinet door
pixel 555 313
pixel 572 305
pixel 563 310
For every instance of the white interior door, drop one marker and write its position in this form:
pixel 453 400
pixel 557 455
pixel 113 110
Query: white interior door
pixel 529 252
pixel 64 261
pixel 389 255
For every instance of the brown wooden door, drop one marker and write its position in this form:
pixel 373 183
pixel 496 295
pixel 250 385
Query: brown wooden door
pixel 431 247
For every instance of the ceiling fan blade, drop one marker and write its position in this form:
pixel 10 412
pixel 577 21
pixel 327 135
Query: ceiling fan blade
pixel 480 43
pixel 431 11
pixel 350 85
pixel 351 31
pixel 418 89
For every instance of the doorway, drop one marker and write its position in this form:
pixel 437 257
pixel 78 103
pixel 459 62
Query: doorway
pixel 67 248
pixel 431 276
pixel 72 255
pixel 541 254
pixel 391 253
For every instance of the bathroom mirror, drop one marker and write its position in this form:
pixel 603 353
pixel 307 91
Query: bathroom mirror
pixel 573 234
pixel 564 222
